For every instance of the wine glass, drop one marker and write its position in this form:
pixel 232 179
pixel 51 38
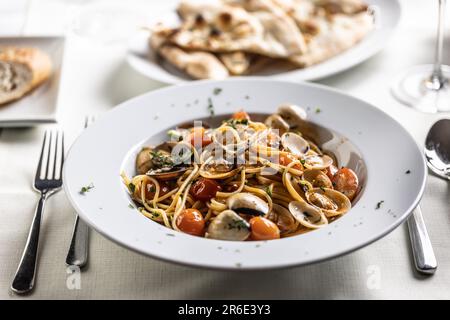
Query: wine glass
pixel 426 87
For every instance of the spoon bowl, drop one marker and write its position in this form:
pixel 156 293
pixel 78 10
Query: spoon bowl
pixel 437 149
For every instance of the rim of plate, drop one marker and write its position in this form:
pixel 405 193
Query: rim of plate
pixel 346 60
pixel 232 254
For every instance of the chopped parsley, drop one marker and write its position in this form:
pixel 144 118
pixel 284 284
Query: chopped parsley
pixel 87 188
pixel 132 187
pixel 235 122
pixel 379 204
pixel 322 188
pixel 130 206
pixel 174 135
pixel 302 161
pixel 211 107
pixel 217 91
pixel 238 224
pixel 161 160
pixel 318 110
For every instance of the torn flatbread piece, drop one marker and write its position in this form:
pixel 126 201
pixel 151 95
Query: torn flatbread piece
pixel 334 37
pixel 197 64
pixel 221 28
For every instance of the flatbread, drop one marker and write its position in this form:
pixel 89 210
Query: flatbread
pixel 334 37
pixel 219 27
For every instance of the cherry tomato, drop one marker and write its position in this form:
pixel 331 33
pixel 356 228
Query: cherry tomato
pixel 346 181
pixel 204 189
pixel 197 137
pixel 241 115
pixel 150 190
pixel 285 160
pixel 191 221
pixel 263 229
pixel 331 171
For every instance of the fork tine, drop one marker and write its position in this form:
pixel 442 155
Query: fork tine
pixel 62 155
pixel 55 158
pixel 50 140
pixel 39 168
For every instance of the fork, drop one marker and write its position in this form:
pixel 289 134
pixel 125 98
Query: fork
pixel 79 246
pixel 48 181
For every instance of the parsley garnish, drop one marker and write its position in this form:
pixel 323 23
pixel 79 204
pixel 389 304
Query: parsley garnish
pixel 322 188
pixel 318 110
pixel 302 161
pixel 238 224
pixel 379 204
pixel 87 188
pixel 234 122
pixel 217 91
pixel 130 206
pixel 210 107
pixel 132 187
pixel 174 135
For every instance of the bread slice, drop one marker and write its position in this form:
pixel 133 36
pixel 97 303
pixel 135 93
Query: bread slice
pixel 21 70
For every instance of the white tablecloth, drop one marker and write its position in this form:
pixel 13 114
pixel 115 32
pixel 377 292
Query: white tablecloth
pixel 96 78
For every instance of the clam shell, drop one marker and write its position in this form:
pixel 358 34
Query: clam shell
pixel 318 162
pixel 295 144
pixel 307 215
pixel 248 203
pixel 283 219
pixel 228 225
pixel 317 178
pixel 294 115
pixel 331 202
pixel 276 122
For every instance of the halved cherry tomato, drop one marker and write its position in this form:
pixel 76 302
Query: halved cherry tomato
pixel 197 137
pixel 331 171
pixel 346 181
pixel 286 159
pixel 241 115
pixel 263 229
pixel 150 190
pixel 192 222
pixel 204 189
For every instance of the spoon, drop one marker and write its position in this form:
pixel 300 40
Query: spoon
pixel 437 153
pixel 437 149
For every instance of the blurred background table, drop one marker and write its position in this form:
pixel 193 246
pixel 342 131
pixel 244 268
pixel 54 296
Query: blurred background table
pixel 96 78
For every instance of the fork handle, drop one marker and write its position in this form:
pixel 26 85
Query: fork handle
pixel 24 279
pixel 422 249
pixel 78 251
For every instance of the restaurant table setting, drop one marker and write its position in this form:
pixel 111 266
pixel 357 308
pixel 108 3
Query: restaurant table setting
pixel 117 87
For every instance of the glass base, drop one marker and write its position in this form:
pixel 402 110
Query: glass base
pixel 415 89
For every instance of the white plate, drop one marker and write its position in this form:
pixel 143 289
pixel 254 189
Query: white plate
pixel 388 12
pixel 109 146
pixel 39 106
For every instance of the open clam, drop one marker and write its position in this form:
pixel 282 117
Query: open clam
pixel 163 162
pixel 307 215
pixel 331 202
pixel 276 122
pixel 283 219
pixel 294 115
pixel 247 203
pixel 319 162
pixel 295 144
pixel 317 178
pixel 228 225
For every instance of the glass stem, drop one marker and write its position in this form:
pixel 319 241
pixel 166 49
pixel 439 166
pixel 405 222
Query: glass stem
pixel 437 79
